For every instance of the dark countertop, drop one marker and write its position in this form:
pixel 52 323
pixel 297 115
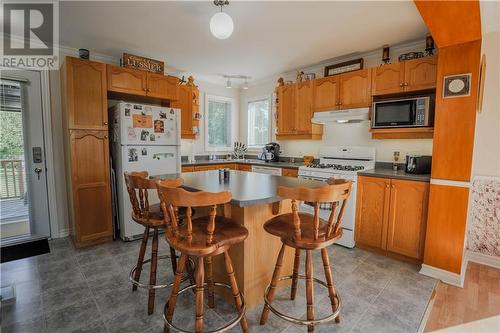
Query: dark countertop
pixel 400 174
pixel 246 161
pixel 247 188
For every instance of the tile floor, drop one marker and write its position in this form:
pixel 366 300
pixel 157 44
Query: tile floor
pixel 87 290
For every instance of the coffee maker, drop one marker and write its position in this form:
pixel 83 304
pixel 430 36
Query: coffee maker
pixel 271 152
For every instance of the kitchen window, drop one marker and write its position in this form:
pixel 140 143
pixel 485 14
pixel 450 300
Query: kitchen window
pixel 259 124
pixel 218 136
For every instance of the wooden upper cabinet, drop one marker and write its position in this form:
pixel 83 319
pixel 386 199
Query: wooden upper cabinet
pixel 326 94
pixel 303 107
pixel 162 86
pixel 372 204
pixel 355 89
pixel 85 94
pixel 126 80
pixel 410 75
pixel 188 102
pixel 286 109
pixel 388 79
pixel 420 73
pixel 91 190
pixel 407 217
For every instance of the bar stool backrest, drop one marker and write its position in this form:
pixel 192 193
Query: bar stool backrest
pixel 138 186
pixel 173 198
pixel 336 193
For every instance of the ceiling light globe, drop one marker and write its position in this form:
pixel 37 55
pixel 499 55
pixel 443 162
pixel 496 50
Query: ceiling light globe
pixel 221 25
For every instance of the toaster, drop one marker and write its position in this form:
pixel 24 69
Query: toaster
pixel 418 164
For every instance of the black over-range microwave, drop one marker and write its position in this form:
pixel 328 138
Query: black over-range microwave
pixel 406 112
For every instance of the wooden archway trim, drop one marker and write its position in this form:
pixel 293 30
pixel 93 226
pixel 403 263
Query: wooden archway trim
pixel 451 22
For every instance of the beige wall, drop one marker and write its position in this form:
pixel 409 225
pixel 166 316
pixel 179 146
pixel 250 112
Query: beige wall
pixel 217 90
pixel 486 158
pixel 338 134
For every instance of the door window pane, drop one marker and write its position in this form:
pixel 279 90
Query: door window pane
pixel 218 123
pixel 14 212
pixel 258 123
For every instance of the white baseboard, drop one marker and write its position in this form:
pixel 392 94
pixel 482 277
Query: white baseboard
pixel 484 259
pixel 445 276
pixel 63 233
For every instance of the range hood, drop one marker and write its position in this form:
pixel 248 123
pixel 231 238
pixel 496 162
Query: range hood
pixel 341 116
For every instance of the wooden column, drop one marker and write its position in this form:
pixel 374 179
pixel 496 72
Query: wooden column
pixel 456 28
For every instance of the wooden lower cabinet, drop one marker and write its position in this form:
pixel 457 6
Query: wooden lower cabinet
pixel 407 217
pixel 187 168
pixel 391 215
pixel 90 187
pixel 289 172
pixel 372 205
pixel 244 167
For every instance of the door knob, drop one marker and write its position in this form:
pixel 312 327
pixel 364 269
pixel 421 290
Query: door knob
pixel 38 171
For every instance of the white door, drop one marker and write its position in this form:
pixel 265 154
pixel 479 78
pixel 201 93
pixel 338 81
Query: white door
pixel 24 210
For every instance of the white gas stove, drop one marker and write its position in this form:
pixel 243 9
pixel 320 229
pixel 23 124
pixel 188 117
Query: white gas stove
pixel 340 162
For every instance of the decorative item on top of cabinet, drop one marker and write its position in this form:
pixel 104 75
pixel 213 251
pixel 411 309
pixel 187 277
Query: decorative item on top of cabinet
pixel 391 215
pixel 344 67
pixel 386 58
pixel 405 76
pixel 188 102
pixel 142 63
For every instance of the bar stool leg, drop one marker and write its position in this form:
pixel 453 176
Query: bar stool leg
pixel 173 259
pixel 329 281
pixel 152 275
pixel 142 251
pixel 210 283
pixel 175 288
pixel 235 290
pixel 199 277
pixel 274 281
pixel 296 265
pixel 309 290
pixel 190 271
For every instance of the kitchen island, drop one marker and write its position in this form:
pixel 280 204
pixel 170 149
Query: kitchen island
pixel 254 201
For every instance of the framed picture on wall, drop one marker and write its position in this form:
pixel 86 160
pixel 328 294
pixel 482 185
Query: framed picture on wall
pixel 343 67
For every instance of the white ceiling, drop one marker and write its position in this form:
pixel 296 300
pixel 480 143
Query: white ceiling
pixel 269 37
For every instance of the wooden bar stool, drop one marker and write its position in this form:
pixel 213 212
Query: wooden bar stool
pixel 203 238
pixel 151 217
pixel 303 231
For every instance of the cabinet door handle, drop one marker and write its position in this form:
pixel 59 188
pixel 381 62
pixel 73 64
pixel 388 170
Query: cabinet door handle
pixel 105 136
pixel 387 186
pixel 105 123
pixel 401 85
pixel 393 186
pixel 406 84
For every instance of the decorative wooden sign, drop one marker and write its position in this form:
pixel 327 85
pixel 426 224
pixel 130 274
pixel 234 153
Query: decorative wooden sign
pixel 343 67
pixel 143 64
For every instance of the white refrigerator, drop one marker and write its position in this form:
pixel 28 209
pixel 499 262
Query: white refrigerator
pixel 144 138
